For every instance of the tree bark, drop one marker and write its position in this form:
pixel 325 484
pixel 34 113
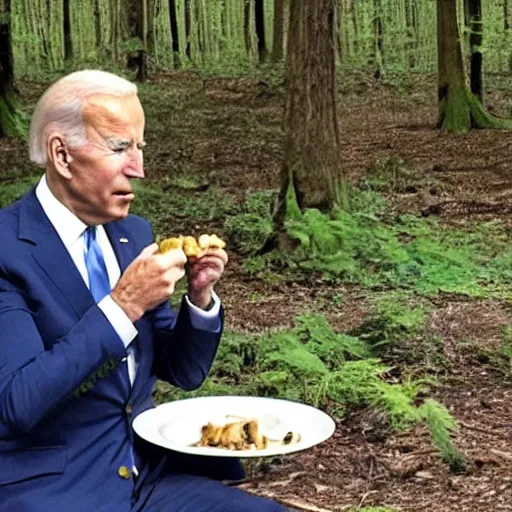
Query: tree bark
pixel 137 26
pixel 188 27
pixel 459 109
pixel 278 31
pixel 412 35
pixel 259 18
pixel 506 27
pixel 68 44
pixel 11 122
pixel 311 164
pixel 173 21
pixel 378 30
pixel 247 27
pixel 475 42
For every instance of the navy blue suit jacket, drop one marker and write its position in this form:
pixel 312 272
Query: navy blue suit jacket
pixel 65 409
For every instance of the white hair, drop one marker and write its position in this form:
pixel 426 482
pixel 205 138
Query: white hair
pixel 60 108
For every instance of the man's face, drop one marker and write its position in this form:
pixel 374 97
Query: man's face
pixel 100 190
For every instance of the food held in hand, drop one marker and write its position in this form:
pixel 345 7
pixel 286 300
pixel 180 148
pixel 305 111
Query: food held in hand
pixel 241 435
pixel 192 247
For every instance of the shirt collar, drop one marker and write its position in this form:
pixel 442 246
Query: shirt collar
pixel 68 226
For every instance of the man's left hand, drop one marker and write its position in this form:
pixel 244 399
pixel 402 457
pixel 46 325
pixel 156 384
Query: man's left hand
pixel 203 273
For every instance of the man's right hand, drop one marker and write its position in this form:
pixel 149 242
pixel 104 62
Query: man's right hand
pixel 149 280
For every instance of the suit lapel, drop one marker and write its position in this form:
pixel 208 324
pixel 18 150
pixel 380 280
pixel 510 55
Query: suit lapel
pixel 51 255
pixel 126 251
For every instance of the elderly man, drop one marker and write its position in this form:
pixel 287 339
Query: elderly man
pixel 86 327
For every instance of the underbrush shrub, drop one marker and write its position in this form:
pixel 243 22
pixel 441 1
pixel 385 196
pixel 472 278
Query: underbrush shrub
pixel 314 364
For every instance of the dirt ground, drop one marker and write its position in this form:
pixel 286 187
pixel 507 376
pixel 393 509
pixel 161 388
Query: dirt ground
pixel 236 144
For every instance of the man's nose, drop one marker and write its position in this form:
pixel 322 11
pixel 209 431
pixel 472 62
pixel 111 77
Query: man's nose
pixel 135 168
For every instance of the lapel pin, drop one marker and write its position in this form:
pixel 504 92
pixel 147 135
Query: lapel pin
pixel 123 240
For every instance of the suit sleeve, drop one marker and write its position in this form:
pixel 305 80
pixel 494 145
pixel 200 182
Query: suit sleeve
pixel 183 353
pixel 35 380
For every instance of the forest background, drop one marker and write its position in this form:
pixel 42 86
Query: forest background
pixel 332 144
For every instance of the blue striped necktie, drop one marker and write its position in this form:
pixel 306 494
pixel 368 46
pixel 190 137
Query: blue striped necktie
pixel 95 263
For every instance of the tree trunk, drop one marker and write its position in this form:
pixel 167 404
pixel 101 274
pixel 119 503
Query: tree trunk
pixel 411 43
pixel 173 20
pixel 137 28
pixel 278 38
pixel 311 164
pixel 378 30
pixel 68 45
pixel 475 42
pixel 12 124
pixel 247 26
pixel 506 26
pixel 459 110
pixel 97 26
pixel 188 23
pixel 259 18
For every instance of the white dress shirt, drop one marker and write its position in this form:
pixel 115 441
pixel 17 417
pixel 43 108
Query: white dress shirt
pixel 71 230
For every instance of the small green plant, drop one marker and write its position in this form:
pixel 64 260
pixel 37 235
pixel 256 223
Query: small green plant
pixel 11 191
pixel 314 364
pixel 249 229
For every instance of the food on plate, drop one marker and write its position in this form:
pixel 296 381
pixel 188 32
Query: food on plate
pixel 192 247
pixel 241 435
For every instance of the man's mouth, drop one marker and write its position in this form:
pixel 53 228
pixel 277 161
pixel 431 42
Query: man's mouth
pixel 125 194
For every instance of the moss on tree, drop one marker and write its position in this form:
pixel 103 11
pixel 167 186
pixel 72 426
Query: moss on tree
pixel 460 111
pixel 13 121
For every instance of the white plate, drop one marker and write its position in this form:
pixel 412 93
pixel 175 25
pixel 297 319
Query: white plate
pixel 177 425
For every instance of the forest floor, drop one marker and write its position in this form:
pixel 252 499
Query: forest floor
pixel 232 138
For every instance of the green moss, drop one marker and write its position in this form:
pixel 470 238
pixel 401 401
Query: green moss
pixel 13 122
pixel 455 112
pixel 461 111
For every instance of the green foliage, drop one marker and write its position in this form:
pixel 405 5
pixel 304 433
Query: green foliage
pixel 314 364
pixel 392 319
pixel 13 190
pixel 13 120
pixel 248 229
pixel 501 359
pixel 368 247
pixel 441 423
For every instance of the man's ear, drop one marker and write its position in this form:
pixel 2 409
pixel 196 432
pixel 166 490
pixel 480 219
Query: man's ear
pixel 59 156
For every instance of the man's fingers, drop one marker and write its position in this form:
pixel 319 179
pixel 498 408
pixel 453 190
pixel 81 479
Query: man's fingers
pixel 173 257
pixel 148 251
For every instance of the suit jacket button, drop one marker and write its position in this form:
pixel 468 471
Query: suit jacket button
pixel 128 409
pixel 124 472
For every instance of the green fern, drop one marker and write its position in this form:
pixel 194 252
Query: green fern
pixel 441 423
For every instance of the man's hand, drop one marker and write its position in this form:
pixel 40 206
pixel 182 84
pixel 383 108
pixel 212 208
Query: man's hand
pixel 203 273
pixel 149 280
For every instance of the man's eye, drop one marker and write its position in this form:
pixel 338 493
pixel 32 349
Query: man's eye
pixel 119 150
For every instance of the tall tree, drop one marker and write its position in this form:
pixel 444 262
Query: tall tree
pixel 259 19
pixel 247 26
pixel 474 8
pixel 278 31
pixel 506 26
pixel 459 109
pixel 137 31
pixel 311 162
pixel 173 20
pixel 68 43
pixel 12 122
pixel 188 27
pixel 378 29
